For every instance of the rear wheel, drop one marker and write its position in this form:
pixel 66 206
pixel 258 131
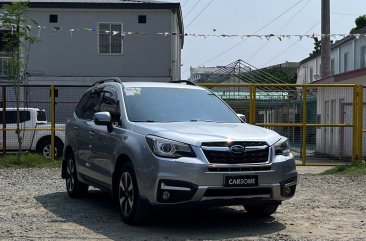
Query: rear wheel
pixel 44 148
pixel 133 209
pixel 74 187
pixel 263 210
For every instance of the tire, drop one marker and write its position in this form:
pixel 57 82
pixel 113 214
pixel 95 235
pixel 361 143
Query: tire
pixel 133 209
pixel 75 188
pixel 44 148
pixel 264 210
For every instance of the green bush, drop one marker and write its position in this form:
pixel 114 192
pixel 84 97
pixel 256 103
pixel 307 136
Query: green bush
pixel 356 168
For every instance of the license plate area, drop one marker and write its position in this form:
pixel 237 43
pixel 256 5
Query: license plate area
pixel 241 181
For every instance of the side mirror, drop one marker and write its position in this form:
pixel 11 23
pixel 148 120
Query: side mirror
pixel 242 117
pixel 104 119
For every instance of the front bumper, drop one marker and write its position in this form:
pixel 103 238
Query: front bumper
pixel 191 181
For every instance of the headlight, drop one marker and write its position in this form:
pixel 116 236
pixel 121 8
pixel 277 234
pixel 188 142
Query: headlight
pixel 282 147
pixel 168 148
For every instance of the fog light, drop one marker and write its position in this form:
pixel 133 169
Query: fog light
pixel 287 190
pixel 166 195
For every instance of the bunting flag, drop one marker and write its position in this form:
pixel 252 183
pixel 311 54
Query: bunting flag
pixel 280 37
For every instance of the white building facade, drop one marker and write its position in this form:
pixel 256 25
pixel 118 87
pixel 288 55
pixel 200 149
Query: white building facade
pixel 335 105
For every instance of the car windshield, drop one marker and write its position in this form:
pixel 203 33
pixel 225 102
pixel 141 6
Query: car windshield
pixel 152 104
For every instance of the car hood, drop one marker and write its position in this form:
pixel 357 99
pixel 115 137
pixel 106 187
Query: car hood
pixel 195 133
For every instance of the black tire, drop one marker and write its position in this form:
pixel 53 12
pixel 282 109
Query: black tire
pixel 133 209
pixel 75 188
pixel 44 148
pixel 263 210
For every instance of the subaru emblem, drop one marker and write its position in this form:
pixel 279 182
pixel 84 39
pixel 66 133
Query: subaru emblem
pixel 237 149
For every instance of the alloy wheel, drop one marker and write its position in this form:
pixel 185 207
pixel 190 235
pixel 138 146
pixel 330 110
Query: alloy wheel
pixel 70 170
pixel 126 194
pixel 47 151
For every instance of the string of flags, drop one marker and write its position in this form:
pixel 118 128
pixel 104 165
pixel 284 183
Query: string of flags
pixel 242 36
pixel 280 37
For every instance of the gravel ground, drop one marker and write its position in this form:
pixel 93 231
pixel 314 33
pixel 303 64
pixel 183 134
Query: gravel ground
pixel 35 206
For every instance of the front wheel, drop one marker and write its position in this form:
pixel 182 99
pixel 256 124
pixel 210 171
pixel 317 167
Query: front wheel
pixel 133 209
pixel 263 210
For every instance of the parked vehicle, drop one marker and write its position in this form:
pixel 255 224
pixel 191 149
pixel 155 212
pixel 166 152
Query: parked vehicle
pixel 33 140
pixel 171 144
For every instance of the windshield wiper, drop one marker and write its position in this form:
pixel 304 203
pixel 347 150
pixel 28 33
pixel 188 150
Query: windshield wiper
pixel 144 121
pixel 202 120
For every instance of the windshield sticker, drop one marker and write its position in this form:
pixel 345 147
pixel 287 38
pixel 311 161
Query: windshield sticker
pixel 132 91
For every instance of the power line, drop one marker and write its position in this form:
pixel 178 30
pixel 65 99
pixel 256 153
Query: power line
pixel 290 20
pixel 289 47
pixel 204 8
pixel 261 28
pixel 191 9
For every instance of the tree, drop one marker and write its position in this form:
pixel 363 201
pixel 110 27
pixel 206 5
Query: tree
pixel 317 46
pixel 17 41
pixel 360 23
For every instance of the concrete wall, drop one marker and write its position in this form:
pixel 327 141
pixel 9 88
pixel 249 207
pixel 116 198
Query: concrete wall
pixel 147 56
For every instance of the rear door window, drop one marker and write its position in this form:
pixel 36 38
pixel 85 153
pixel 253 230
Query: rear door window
pixel 92 106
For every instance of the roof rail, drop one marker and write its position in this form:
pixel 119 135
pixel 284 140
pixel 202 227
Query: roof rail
pixel 113 79
pixel 187 82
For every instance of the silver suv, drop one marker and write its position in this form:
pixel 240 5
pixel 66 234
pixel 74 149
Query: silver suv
pixel 173 144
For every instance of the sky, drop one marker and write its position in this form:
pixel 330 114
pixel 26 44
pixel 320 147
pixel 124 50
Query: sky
pixel 247 17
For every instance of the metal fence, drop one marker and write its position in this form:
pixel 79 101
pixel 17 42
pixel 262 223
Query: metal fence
pixel 324 123
pixel 58 103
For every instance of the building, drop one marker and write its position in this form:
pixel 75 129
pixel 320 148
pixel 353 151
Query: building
pixel 334 106
pixel 346 55
pixel 83 41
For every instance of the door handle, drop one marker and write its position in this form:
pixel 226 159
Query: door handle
pixel 75 128
pixel 92 133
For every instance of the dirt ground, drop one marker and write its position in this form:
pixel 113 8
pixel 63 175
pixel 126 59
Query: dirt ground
pixel 35 206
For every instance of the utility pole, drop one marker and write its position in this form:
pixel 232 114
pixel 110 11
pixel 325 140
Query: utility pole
pixel 325 43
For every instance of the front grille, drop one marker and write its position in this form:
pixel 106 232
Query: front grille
pixel 239 169
pixel 228 157
pixel 230 192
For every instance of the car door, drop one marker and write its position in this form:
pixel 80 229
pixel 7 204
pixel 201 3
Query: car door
pixel 103 152
pixel 85 134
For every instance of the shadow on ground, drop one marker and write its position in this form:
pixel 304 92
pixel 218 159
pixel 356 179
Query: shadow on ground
pixel 98 214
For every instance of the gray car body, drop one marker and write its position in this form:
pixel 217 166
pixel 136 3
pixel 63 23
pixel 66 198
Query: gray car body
pixel 99 153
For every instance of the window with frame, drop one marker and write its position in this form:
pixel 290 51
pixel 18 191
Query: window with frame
pixel 345 63
pixel 11 116
pixel 110 103
pixel 363 57
pixel 311 75
pixel 110 38
pixel 92 106
pixel 81 105
pixel 332 65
